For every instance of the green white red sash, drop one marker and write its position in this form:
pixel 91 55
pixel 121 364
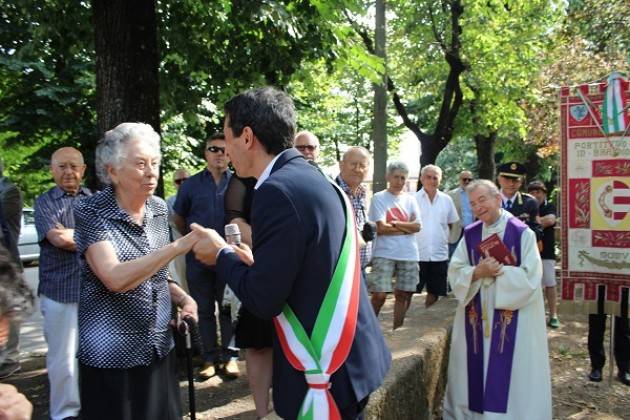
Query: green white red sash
pixel 321 354
pixel 614 115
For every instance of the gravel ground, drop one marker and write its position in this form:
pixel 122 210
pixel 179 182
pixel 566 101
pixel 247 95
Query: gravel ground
pixel 574 397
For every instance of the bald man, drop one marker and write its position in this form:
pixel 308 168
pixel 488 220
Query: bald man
pixel 353 169
pixel 307 143
pixel 462 205
pixel 59 278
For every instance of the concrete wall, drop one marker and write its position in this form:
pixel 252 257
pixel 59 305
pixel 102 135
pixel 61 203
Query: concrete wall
pixel 414 387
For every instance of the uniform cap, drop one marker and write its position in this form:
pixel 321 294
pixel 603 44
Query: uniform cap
pixel 512 170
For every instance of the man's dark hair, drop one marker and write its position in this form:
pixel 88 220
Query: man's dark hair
pixel 269 113
pixel 216 136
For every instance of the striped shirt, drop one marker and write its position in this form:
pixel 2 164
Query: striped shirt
pixel 59 269
pixel 358 205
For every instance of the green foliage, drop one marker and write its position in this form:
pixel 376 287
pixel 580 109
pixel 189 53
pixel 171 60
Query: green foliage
pixel 46 86
pixel 209 51
pixel 337 107
pixel 603 25
pixel 456 157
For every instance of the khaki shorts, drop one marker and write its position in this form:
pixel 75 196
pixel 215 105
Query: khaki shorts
pixel 549 273
pixel 383 270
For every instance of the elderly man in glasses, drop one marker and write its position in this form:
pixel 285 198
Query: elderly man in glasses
pixel 177 266
pixel 200 200
pixel 307 143
pixel 462 205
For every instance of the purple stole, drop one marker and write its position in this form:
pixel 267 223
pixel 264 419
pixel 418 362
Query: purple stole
pixel 494 397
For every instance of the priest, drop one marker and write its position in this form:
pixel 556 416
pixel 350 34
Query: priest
pixel 499 361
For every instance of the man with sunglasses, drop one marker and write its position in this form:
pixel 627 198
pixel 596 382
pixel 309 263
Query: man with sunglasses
pixel 307 143
pixel 200 200
pixel 462 205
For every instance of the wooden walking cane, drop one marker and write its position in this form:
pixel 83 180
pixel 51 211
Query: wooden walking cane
pixel 188 328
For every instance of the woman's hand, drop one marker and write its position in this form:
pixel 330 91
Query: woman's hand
pixel 14 405
pixel 185 244
pixel 487 267
pixel 188 307
pixel 244 253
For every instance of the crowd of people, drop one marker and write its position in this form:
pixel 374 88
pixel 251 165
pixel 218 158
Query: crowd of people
pixel 119 267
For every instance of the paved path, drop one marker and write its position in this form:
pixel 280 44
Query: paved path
pixel 32 341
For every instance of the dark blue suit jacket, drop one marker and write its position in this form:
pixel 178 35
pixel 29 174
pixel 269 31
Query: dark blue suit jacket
pixel 297 229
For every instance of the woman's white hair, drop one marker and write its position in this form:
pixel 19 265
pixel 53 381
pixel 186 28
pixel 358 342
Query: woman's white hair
pixel 490 187
pixel 110 149
pixel 397 165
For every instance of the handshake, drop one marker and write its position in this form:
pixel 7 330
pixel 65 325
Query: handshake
pixel 206 244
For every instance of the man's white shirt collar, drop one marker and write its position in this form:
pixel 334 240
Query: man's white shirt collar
pixel 265 174
pixel 505 199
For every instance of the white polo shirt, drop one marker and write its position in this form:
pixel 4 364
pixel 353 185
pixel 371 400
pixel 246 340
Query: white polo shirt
pixel 436 216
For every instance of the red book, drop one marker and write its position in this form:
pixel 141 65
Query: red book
pixel 493 246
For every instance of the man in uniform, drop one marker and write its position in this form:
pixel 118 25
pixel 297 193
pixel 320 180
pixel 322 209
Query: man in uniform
pixel 523 206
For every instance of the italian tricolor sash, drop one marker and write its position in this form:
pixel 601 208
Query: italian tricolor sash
pixel 321 354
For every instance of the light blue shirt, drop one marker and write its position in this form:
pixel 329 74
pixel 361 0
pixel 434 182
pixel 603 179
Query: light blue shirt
pixel 467 215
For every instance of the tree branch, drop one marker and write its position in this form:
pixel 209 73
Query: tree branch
pixel 435 31
pixel 391 87
pixel 453 96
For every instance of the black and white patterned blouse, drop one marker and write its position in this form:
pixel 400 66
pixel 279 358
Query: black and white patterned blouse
pixel 127 329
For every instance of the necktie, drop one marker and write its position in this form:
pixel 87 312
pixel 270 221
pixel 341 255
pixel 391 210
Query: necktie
pixel 508 205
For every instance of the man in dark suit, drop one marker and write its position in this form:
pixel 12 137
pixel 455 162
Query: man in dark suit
pixel 523 206
pixel 298 230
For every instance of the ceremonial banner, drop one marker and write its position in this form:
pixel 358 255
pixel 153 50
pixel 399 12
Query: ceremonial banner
pixel 595 195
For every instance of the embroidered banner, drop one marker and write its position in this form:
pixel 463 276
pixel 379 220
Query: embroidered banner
pixel 595 175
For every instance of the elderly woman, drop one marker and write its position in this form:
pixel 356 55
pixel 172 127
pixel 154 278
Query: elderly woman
pixel 127 365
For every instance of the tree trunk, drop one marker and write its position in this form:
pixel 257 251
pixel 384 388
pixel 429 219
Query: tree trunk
pixel 379 135
pixel 127 87
pixel 533 165
pixel 485 155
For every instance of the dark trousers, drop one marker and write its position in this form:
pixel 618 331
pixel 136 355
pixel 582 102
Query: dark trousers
pixel 207 290
pixel 355 411
pixel 138 393
pixel 596 329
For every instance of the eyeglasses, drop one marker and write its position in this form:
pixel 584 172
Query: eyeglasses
pixel 466 179
pixel 304 147
pixel 180 180
pixel 216 149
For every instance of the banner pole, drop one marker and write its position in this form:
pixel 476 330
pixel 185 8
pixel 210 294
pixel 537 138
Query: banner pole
pixel 611 350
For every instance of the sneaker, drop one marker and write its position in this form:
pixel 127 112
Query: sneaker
pixel 554 323
pixel 9 369
pixel 595 375
pixel 207 371
pixel 231 369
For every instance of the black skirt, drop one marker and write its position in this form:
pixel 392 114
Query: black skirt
pixel 142 392
pixel 253 332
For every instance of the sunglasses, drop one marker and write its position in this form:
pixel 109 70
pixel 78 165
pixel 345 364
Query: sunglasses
pixel 216 149
pixel 304 147
pixel 467 179
pixel 180 180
